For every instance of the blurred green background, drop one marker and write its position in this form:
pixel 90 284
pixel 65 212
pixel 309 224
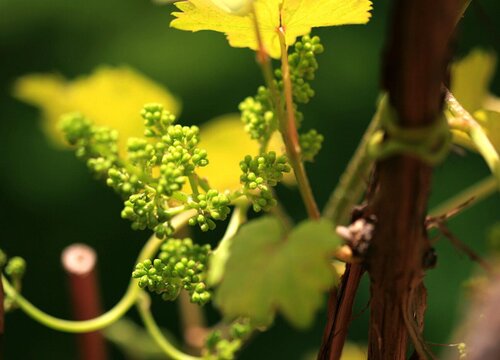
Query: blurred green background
pixel 49 200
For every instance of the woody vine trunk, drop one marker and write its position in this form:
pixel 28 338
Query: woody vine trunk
pixel 415 66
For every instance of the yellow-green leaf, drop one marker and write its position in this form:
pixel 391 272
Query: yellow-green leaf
pixel 227 143
pixel 268 271
pixel 490 122
pixel 110 96
pixel 471 77
pixel 470 80
pixel 296 17
pixel 238 7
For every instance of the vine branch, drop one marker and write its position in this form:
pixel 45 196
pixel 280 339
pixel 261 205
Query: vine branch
pixel 288 128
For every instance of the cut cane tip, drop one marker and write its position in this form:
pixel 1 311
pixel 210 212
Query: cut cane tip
pixel 78 259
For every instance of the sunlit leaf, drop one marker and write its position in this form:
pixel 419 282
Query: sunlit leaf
pixel 490 122
pixel 269 271
pixel 471 77
pixel 111 97
pixel 470 80
pixel 296 17
pixel 227 143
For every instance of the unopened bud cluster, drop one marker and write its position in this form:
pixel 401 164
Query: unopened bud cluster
pixel 180 265
pixel 259 175
pixel 220 347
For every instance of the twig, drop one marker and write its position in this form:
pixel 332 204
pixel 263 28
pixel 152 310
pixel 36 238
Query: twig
pixel 340 313
pixel 470 196
pixel 193 324
pixel 79 262
pixel 456 242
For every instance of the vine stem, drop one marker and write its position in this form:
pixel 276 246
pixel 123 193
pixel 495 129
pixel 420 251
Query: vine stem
pixel 287 123
pixel 288 128
pixel 143 306
pixel 106 319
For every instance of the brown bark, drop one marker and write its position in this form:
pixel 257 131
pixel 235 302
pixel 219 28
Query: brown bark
pixel 79 262
pixel 416 58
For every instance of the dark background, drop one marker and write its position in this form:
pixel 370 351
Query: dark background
pixel 48 200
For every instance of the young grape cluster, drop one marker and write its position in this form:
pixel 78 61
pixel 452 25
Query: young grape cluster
pixel 218 347
pixel 310 144
pixel 155 171
pixel 258 116
pixel 303 67
pixel 180 265
pixel 260 174
pixel 212 205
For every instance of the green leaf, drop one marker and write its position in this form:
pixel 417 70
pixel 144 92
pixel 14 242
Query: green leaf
pixel 268 271
pixel 296 17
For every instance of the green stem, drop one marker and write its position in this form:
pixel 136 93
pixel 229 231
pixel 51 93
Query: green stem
pixel 175 210
pixel 239 217
pixel 143 305
pixel 221 253
pixel 267 71
pixel 353 180
pixel 106 319
pixel 288 128
pixel 180 196
pixel 477 192
pixel 193 182
pixel 203 183
pixel 286 119
pixel 265 65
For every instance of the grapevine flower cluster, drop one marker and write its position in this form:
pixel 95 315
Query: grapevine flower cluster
pixel 257 113
pixel 211 205
pixel 303 66
pixel 260 174
pixel 154 179
pixel 181 264
pixel 219 347
pixel 155 172
pixel 258 116
pixel 310 144
pixel 157 176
